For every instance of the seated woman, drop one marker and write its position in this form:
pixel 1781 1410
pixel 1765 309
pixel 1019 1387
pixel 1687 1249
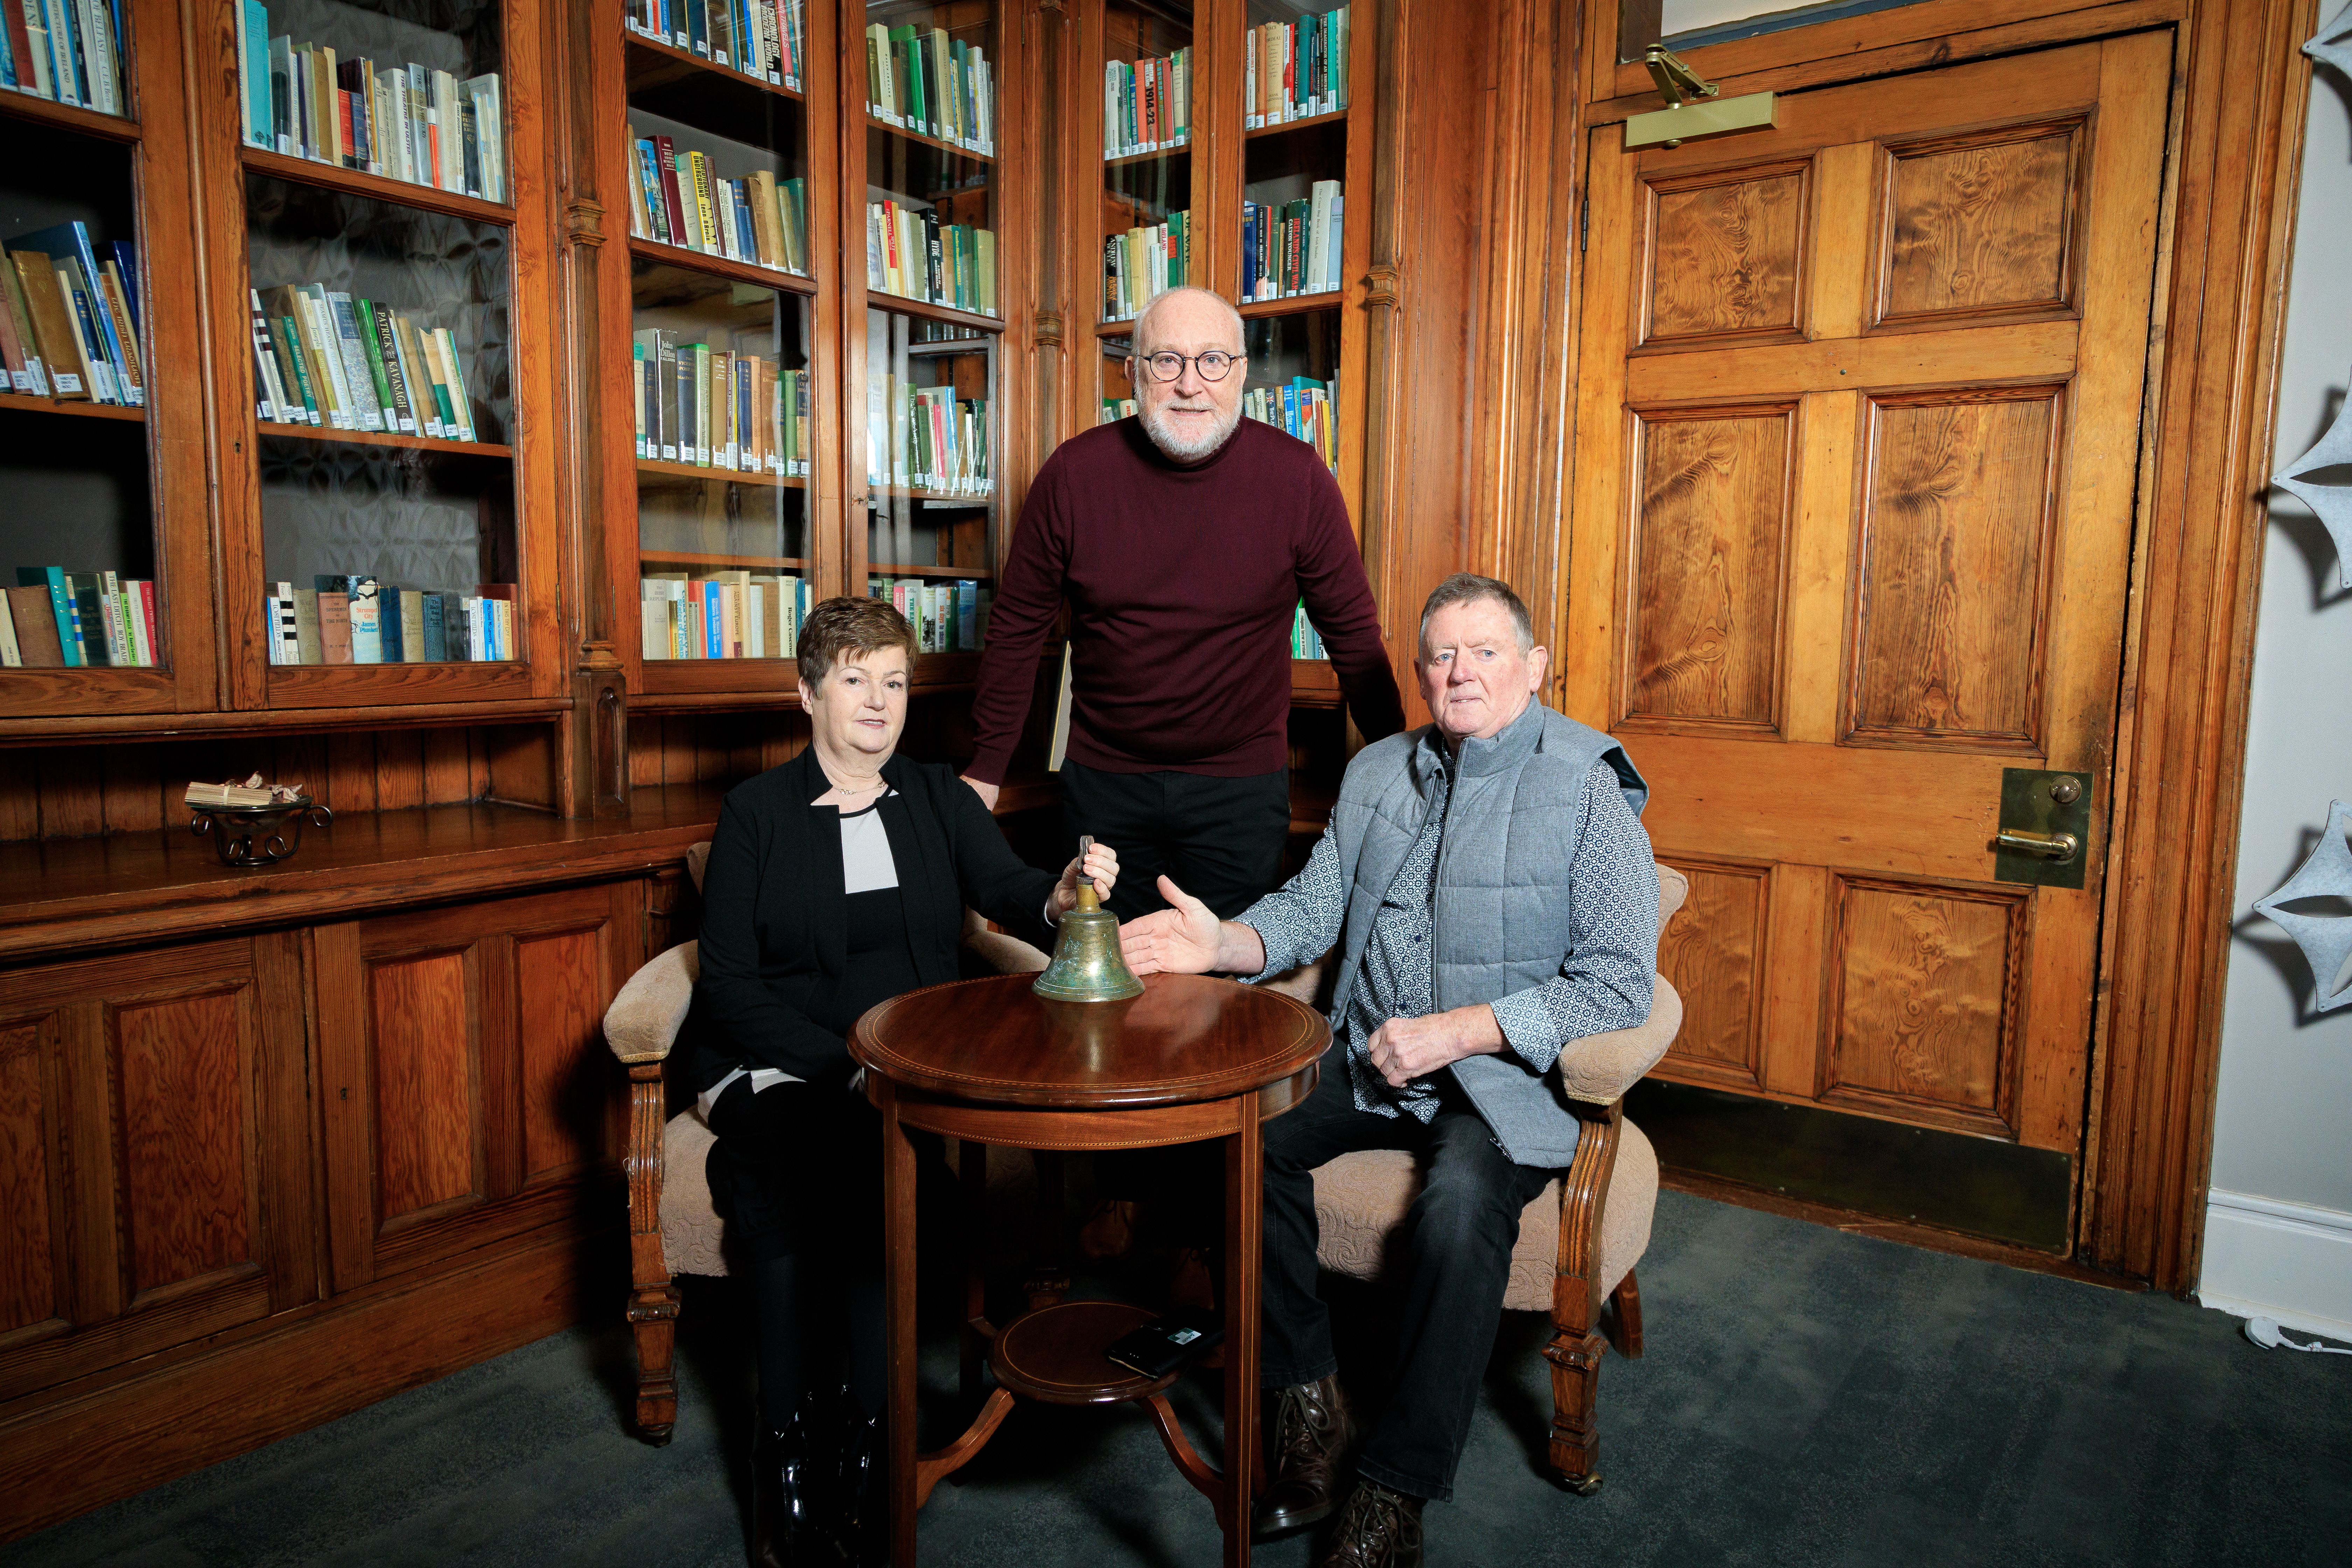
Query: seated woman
pixel 835 881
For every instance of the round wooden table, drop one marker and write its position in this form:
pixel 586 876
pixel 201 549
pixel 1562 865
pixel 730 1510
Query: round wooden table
pixel 988 1061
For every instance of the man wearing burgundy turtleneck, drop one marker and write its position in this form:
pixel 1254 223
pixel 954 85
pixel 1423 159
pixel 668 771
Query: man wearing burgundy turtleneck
pixel 1183 539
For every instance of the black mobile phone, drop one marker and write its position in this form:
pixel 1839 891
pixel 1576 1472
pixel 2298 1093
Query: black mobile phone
pixel 1163 1344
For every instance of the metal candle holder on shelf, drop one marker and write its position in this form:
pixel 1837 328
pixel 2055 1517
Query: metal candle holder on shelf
pixel 257 835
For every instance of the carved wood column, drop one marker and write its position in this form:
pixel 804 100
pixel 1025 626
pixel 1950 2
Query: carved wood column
pixel 585 49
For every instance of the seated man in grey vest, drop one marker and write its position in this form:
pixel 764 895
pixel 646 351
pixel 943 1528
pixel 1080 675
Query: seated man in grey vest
pixel 1490 889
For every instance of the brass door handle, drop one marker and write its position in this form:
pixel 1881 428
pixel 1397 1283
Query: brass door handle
pixel 2058 847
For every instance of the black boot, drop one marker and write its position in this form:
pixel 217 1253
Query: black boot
pixel 787 1485
pixel 861 1517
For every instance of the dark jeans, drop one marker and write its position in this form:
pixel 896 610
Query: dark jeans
pixel 1454 1254
pixel 1220 839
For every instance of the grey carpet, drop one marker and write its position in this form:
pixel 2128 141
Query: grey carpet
pixel 1808 1397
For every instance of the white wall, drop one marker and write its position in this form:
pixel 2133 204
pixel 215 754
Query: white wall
pixel 2278 1236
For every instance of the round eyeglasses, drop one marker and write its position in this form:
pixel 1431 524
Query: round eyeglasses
pixel 1214 365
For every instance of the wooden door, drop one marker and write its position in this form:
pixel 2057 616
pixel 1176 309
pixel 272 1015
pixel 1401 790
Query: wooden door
pixel 155 1182
pixel 1858 421
pixel 466 1085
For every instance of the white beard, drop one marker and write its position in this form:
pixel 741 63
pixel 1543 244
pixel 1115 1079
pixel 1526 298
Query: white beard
pixel 1177 446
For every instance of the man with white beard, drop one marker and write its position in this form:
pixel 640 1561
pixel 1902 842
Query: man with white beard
pixel 1183 540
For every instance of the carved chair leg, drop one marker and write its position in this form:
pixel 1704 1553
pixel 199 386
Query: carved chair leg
pixel 1622 1320
pixel 1575 1389
pixel 653 1323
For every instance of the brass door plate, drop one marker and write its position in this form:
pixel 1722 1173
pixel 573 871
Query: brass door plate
pixel 2046 803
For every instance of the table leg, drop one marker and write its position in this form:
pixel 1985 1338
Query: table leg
pixel 898 1280
pixel 972 1160
pixel 1245 1195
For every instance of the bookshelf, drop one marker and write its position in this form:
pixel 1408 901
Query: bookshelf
pixel 388 529
pixel 94 218
pixel 927 163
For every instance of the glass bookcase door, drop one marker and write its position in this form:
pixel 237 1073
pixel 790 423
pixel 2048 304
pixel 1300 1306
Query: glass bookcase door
pixel 386 475
pixel 1296 89
pixel 928 364
pixel 1148 231
pixel 78 516
pixel 721 357
pixel 385 349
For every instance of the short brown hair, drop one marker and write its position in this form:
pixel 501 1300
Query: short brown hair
pixel 837 627
pixel 1468 587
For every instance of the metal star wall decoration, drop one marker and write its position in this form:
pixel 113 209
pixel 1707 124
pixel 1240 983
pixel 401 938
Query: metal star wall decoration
pixel 2325 939
pixel 2329 498
pixel 2333 42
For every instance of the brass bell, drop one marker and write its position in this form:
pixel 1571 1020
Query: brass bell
pixel 1087 966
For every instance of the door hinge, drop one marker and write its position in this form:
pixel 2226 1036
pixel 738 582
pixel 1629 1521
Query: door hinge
pixel 1583 224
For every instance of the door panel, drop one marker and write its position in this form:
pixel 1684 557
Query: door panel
pixel 1857 415
pixel 1708 536
pixel 1980 223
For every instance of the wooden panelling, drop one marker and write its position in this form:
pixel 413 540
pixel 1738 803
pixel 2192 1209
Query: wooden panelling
pixel 1923 1001
pixel 1949 568
pixel 469 1095
pixel 727 749
pixel 186 1069
pixel 561 980
pixel 421 1013
pixel 28 1236
pixel 154 1150
pixel 1712 951
pixel 1980 223
pixel 76 791
pixel 1707 550
pixel 1726 254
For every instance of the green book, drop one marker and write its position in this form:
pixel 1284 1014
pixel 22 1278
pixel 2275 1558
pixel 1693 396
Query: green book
pixel 905 58
pixel 365 312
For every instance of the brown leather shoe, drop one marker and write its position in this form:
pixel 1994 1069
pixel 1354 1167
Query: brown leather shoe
pixel 1380 1529
pixel 1307 1434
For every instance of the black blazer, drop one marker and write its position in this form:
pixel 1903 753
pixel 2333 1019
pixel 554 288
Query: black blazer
pixel 774 917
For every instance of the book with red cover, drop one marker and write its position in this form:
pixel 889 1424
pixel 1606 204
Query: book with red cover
pixel 668 154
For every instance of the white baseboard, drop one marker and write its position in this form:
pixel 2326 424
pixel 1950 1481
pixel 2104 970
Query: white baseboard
pixel 2275 1259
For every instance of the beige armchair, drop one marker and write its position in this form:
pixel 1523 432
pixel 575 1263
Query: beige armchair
pixel 1578 1240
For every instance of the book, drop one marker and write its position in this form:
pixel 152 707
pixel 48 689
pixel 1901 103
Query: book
pixel 407 123
pixel 334 623
pixel 36 626
pixel 365 606
pixel 11 656
pixel 54 332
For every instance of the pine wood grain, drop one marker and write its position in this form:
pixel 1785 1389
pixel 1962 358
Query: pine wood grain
pixel 1711 952
pixel 28 1224
pixel 564 981
pixel 1707 545
pixel 1980 223
pixel 1726 254
pixel 421 1028
pixel 1950 571
pixel 1923 999
pixel 188 1133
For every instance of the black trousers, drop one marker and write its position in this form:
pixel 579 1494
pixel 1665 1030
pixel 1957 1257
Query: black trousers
pixel 1455 1252
pixel 1220 839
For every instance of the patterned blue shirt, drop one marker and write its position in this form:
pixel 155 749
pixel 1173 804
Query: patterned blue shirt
pixel 1603 983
